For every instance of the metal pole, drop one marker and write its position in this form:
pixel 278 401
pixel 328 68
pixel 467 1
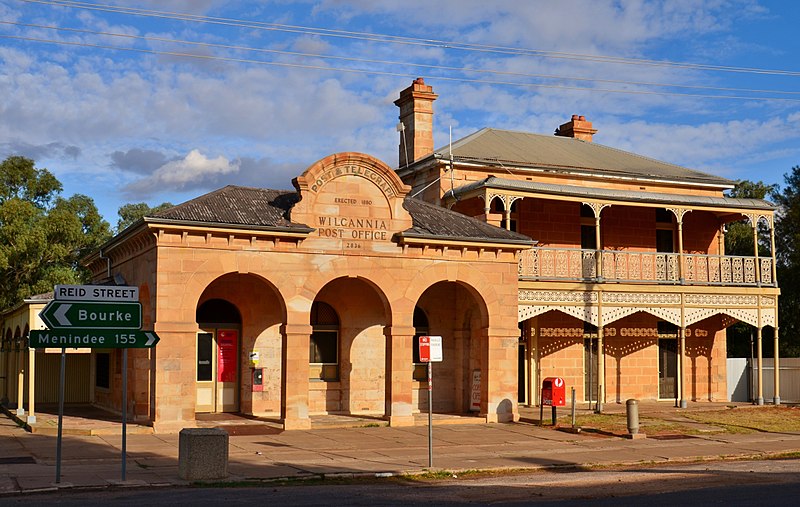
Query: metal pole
pixel 430 416
pixel 541 408
pixel 60 413
pixel 573 407
pixel 124 408
pixel 591 371
pixel 750 377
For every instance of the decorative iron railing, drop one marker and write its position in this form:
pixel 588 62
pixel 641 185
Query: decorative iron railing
pixel 543 263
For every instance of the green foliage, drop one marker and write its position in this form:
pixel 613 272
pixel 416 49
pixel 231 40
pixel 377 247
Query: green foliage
pixel 787 238
pixel 739 241
pixel 21 180
pixel 131 212
pixel 42 235
pixel 739 235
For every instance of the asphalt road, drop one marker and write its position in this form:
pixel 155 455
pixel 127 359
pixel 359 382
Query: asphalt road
pixel 761 483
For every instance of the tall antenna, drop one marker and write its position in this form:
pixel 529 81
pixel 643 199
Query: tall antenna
pixel 450 147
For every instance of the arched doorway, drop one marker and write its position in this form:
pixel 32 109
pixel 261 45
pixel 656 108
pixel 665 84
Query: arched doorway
pixel 218 368
pixel 457 313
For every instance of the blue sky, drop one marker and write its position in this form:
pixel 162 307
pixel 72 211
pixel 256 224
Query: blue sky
pixel 277 85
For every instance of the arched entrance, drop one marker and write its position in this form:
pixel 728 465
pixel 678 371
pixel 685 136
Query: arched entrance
pixel 347 352
pixel 456 313
pixel 218 365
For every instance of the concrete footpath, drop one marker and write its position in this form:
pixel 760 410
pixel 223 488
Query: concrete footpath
pixel 260 450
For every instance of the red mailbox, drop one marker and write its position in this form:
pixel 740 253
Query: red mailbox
pixel 553 392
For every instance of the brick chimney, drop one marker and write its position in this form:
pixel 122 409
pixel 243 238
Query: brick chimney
pixel 416 121
pixel 578 128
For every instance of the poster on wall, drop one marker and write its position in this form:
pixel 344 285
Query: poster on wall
pixel 475 397
pixel 227 341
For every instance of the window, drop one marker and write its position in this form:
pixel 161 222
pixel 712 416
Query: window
pixel 667 329
pixel 665 242
pixel 102 370
pixel 205 356
pixel 323 353
pixel 420 329
pixel 588 228
pixel 588 237
pixel 663 216
pixel 665 231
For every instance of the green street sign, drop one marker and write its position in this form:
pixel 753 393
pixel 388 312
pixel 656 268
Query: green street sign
pixel 93 338
pixel 92 315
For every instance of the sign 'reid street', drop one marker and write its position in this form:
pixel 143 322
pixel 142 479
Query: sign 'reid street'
pixel 96 293
pixel 92 315
pixel 93 338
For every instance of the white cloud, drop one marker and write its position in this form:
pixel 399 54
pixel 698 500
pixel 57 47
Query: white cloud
pixel 192 171
pixel 718 144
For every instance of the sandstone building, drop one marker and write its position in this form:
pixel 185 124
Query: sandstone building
pixel 531 255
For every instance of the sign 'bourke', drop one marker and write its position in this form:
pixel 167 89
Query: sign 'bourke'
pixel 93 316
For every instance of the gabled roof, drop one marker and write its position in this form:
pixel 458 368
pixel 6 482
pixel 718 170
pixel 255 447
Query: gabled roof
pixel 267 209
pixel 506 148
pixel 609 194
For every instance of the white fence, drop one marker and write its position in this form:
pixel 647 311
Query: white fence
pixel 743 379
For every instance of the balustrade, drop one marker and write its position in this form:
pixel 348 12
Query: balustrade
pixel 544 263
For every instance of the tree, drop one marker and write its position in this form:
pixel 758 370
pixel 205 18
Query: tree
pixel 739 235
pixel 43 236
pixel 739 241
pixel 787 239
pixel 131 212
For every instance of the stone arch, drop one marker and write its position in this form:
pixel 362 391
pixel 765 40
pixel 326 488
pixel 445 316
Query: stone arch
pixel 361 268
pixel 249 313
pixel 363 314
pixel 456 312
pixel 205 274
pixel 469 278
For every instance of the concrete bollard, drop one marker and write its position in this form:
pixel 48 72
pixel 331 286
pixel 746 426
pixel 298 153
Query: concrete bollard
pixel 202 454
pixel 632 409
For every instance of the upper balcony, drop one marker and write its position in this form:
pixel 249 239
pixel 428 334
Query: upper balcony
pixel 575 264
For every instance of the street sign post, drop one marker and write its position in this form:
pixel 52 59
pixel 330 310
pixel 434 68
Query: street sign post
pixel 430 351
pixel 99 317
pixel 93 338
pixel 92 315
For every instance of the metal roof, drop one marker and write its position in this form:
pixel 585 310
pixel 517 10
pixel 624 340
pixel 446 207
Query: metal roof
pixel 592 193
pixel 494 147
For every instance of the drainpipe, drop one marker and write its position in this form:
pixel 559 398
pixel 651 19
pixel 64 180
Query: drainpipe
pixel 108 264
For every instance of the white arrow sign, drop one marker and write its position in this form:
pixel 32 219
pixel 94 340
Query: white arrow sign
pixel 61 315
pixel 151 338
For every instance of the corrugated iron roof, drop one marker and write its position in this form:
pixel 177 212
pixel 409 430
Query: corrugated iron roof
pixel 494 147
pixel 611 194
pixel 265 208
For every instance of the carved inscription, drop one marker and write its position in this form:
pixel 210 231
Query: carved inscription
pixel 355 170
pixel 352 228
